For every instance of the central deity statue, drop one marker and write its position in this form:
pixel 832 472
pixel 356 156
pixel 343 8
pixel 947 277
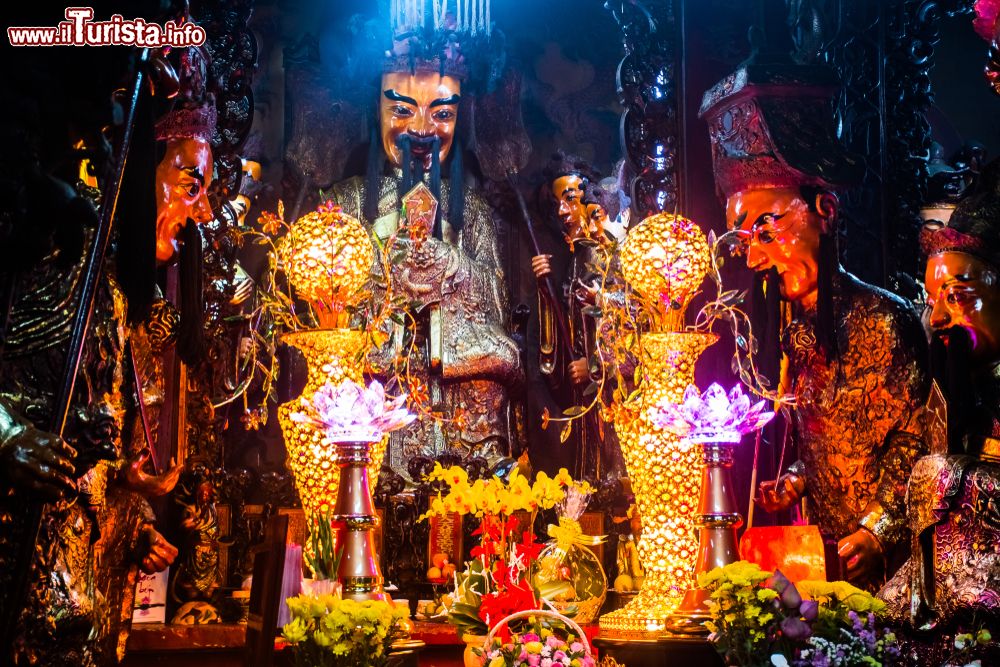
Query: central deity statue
pixel 463 359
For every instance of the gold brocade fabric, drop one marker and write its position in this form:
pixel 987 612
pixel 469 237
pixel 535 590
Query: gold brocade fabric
pixel 851 411
pixel 953 574
pixel 462 278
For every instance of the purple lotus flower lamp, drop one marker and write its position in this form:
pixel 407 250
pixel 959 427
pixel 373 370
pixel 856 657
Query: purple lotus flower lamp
pixel 352 418
pixel 713 416
pixel 716 421
pixel 350 412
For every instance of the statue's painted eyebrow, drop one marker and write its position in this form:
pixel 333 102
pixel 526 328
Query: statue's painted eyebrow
pixel 396 97
pixel 445 101
pixel 195 173
pixel 766 218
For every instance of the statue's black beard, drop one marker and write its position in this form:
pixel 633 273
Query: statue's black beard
pixel 191 334
pixel 413 170
pixel 765 323
pixel 951 368
pixel 413 167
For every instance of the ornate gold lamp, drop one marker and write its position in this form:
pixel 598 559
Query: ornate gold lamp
pixel 327 256
pixel 664 259
pixel 715 422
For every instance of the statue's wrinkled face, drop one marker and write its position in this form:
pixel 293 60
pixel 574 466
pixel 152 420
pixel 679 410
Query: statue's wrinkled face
pixel 422 106
pixel 568 193
pixel 778 230
pixel 182 180
pixel 964 291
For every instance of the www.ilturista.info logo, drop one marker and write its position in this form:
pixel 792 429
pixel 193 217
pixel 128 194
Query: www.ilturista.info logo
pixel 79 29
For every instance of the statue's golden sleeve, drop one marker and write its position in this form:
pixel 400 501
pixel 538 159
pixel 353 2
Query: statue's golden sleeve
pixel 475 287
pixel 885 515
pixel 903 382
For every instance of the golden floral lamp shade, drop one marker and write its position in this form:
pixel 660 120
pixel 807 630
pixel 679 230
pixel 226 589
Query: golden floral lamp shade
pixel 665 258
pixel 327 256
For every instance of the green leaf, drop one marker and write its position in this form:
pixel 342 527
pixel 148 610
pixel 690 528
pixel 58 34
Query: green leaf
pixel 733 297
pixel 566 431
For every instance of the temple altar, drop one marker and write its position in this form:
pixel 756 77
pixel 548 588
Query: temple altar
pixel 499 333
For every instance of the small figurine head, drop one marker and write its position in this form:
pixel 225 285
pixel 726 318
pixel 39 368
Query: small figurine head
pixel 603 206
pixel 205 493
pixel 182 180
pixel 418 112
pixel 568 190
pixel 567 180
pixel 962 277
pixel 782 228
pixel 250 184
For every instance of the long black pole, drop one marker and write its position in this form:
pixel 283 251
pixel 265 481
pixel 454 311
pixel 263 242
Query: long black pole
pixel 544 284
pixel 81 323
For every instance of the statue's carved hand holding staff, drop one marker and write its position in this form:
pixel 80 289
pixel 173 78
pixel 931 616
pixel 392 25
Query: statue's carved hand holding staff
pixel 33 460
pixel 782 493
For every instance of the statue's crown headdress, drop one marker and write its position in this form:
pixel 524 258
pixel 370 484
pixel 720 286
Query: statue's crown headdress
pixel 437 35
pixel 194 114
pixel 974 227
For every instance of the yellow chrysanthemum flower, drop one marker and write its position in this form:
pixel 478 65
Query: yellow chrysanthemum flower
pixel 295 631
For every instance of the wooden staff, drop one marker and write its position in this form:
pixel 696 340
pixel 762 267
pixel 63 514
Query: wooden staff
pixel 545 283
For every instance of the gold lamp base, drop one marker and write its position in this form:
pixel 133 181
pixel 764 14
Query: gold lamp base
pixel 355 519
pixel 664 476
pixel 690 616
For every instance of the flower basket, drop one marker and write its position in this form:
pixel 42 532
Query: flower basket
pixel 571 579
pixel 566 574
pixel 588 651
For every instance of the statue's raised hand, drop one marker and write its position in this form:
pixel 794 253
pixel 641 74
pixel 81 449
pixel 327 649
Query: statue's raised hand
pixel 860 554
pixel 151 486
pixel 781 493
pixel 159 554
pixel 37 462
